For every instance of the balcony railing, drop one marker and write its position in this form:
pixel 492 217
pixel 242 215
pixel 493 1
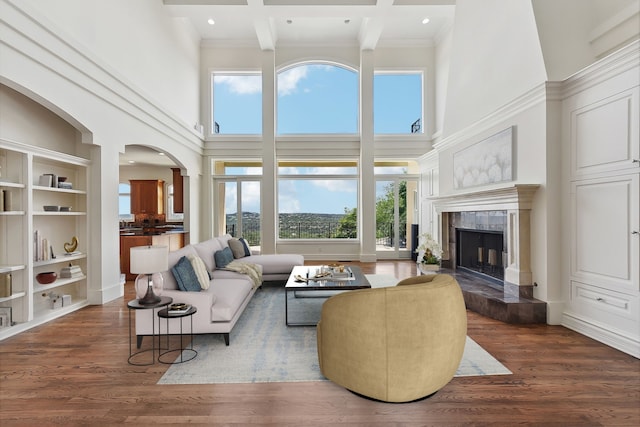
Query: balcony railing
pixel 318 230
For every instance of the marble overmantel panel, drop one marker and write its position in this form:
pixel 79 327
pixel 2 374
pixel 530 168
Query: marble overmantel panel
pixel 516 200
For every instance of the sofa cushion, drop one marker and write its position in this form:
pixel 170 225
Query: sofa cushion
pixel 276 264
pixel 169 281
pixel 223 257
pixel 245 244
pixel 224 240
pixel 237 248
pixel 205 251
pixel 186 276
pixel 200 270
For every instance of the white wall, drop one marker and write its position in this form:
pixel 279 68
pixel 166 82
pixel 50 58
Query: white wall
pixel 139 41
pixel 575 33
pixel 28 122
pixel 53 68
pixel 495 57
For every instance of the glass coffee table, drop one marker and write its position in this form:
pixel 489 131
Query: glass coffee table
pixel 308 280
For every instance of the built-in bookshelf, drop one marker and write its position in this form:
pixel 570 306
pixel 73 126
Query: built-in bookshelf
pixel 36 214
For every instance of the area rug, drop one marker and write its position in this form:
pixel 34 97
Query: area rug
pixel 264 349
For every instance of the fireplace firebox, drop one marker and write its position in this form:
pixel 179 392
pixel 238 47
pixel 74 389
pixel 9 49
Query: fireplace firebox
pixel 481 252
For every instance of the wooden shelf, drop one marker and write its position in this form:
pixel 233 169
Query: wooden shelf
pixel 58 213
pixel 58 190
pixel 37 287
pixel 11 184
pixel 13 296
pixel 9 268
pixel 59 259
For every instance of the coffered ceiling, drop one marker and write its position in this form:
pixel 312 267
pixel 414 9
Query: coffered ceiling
pixel 275 23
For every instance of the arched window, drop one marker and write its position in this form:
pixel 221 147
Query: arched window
pixel 317 98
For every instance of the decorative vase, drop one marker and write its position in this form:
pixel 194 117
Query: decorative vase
pixel 46 277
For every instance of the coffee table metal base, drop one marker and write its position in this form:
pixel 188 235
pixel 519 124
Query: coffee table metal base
pixel 316 288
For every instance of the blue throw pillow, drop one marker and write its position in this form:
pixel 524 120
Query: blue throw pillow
pixel 186 276
pixel 223 257
pixel 247 251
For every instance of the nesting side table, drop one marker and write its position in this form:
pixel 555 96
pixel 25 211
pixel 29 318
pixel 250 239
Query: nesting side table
pixel 135 305
pixel 186 354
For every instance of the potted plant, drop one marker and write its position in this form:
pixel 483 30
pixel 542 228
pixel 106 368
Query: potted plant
pixel 431 252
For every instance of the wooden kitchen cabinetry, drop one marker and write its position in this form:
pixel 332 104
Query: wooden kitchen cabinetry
pixel 173 241
pixel 147 196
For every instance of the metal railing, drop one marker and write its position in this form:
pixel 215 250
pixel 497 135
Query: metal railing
pixel 318 230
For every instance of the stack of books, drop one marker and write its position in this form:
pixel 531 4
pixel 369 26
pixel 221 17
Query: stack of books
pixel 71 272
pixel 65 185
pixel 178 308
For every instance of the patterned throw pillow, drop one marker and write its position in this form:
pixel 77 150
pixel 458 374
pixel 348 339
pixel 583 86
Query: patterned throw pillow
pixel 186 276
pixel 237 248
pixel 223 257
pixel 200 269
pixel 247 251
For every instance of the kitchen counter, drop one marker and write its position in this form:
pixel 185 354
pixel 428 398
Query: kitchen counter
pixel 129 238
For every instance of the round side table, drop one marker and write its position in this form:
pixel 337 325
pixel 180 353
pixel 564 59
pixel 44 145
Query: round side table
pixel 186 354
pixel 135 305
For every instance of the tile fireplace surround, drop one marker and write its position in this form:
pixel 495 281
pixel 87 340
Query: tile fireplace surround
pixel 514 303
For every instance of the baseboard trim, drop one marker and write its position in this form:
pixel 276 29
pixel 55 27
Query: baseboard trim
pixel 615 339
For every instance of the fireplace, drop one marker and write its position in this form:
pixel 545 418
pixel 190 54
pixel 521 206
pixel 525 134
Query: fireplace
pixel 497 224
pixel 486 241
pixel 481 252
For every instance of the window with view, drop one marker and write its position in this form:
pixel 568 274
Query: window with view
pixel 237 195
pixel 237 103
pixel 317 200
pixel 317 99
pixel 397 103
pixel 124 202
pixel 171 215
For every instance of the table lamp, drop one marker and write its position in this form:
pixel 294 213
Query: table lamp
pixel 148 262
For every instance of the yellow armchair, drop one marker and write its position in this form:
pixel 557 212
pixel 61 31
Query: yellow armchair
pixel 394 344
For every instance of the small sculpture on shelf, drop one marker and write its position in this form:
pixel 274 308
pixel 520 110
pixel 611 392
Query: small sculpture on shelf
pixel 72 246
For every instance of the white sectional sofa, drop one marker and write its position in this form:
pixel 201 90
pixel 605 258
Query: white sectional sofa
pixel 219 306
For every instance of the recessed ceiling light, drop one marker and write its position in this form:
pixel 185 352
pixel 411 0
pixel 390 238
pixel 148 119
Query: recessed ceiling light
pixel 132 161
pixel 210 21
pixel 160 153
pixel 425 21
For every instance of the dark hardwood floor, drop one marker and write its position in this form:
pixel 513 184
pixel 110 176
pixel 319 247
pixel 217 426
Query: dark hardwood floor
pixel 74 371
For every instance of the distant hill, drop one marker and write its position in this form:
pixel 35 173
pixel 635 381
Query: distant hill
pixel 292 225
pixel 286 218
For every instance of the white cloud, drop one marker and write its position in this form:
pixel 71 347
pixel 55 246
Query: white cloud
pixel 288 80
pixel 336 185
pixel 242 85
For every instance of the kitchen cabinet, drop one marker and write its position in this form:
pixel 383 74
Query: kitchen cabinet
pixel 147 196
pixel 178 189
pixel 173 241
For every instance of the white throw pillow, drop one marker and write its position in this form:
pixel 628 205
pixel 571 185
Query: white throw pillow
pixel 200 269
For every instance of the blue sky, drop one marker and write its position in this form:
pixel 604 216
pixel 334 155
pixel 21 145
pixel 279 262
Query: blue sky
pixel 313 99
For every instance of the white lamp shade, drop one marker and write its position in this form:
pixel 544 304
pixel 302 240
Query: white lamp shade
pixel 148 259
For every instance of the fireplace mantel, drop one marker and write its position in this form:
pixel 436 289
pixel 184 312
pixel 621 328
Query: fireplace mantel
pixel 517 201
pixel 515 197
